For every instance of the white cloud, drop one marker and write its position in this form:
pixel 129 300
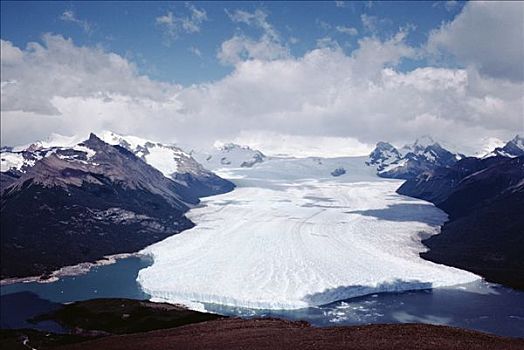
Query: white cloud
pixel 174 26
pixel 272 143
pixel 449 5
pixel 59 68
pixel 256 19
pixel 372 24
pixel 323 25
pixel 373 54
pixel 340 3
pixel 10 54
pixel 347 30
pixel 69 16
pixel 328 42
pixel 487 35
pixel 314 104
pixel 240 47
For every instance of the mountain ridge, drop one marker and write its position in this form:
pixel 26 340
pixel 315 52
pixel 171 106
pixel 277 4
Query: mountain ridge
pixel 484 199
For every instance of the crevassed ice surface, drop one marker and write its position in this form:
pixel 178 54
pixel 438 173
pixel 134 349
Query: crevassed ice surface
pixel 292 236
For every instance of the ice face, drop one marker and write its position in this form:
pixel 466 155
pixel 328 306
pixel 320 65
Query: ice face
pixel 292 236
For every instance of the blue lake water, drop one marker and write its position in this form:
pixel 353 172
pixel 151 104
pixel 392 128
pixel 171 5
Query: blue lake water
pixel 481 306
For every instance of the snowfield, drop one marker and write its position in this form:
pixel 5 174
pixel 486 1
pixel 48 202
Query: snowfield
pixel 292 236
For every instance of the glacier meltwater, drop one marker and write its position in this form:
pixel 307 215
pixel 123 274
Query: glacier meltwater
pixel 291 236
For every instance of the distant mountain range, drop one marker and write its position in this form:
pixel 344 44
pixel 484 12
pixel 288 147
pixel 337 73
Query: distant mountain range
pixel 425 154
pixel 63 205
pixel 484 198
pixel 410 160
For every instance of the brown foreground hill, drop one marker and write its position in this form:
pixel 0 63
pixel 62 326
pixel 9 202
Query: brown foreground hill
pixel 279 334
pixel 111 324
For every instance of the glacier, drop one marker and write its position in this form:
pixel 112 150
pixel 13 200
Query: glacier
pixel 292 236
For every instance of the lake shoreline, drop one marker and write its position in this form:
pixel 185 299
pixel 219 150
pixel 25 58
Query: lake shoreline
pixel 497 310
pixel 72 270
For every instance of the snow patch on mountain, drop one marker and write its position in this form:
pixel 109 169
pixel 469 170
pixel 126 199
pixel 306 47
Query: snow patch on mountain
pixel 12 161
pixel 163 159
pixel 169 159
pixel 53 141
pixel 19 159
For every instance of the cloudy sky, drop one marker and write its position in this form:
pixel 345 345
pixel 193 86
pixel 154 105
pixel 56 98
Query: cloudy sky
pixel 326 78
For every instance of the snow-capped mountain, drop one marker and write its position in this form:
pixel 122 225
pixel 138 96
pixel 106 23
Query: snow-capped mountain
pixel 411 160
pixel 383 155
pixel 91 200
pixel 513 148
pixel 173 162
pixel 20 161
pixel 230 155
pixel 14 162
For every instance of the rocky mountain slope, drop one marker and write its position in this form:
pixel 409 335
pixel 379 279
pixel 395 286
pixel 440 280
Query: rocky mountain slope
pixel 65 205
pixel 484 199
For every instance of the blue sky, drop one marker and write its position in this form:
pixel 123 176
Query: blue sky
pixel 319 78
pixel 131 29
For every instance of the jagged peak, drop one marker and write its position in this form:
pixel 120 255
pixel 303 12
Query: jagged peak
pixel 513 148
pixel 94 143
pixel 424 141
pixel 421 143
pixel 383 149
pixel 518 140
pixel 93 137
pixel 384 145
